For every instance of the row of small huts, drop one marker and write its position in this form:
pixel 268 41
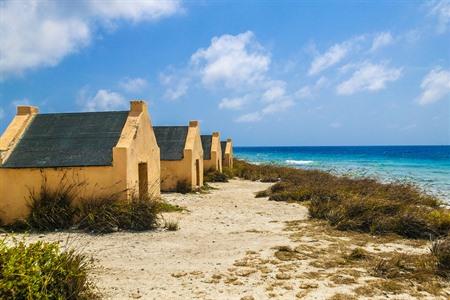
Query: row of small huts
pixel 117 152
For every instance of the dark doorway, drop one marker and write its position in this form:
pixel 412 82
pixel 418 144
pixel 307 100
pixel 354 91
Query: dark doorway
pixel 197 171
pixel 143 180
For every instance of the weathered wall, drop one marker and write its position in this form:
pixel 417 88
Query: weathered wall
pixel 215 163
pixel 228 159
pixel 173 171
pixel 137 144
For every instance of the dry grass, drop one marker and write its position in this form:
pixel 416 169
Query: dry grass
pixel 356 204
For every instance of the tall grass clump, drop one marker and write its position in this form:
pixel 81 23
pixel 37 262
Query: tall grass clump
pixel 110 214
pixel 359 204
pixel 52 209
pixel 42 271
pixel 183 187
pixel 215 176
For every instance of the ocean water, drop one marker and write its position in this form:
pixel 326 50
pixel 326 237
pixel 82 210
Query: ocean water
pixel 426 166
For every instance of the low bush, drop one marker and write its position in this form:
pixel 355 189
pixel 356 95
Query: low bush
pixel 109 214
pixel 171 225
pixel 359 204
pixel 441 252
pixel 52 209
pixel 42 271
pixel 215 176
pixel 183 187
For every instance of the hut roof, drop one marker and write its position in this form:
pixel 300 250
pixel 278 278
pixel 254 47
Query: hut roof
pixel 171 141
pixel 68 140
pixel 206 144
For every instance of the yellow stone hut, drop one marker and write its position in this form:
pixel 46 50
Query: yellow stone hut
pixel 109 152
pixel 212 152
pixel 227 153
pixel 181 156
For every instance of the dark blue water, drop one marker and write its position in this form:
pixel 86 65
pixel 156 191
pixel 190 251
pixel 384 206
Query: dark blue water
pixel 425 166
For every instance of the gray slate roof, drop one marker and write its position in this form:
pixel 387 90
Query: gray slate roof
pixel 206 144
pixel 68 140
pixel 223 145
pixel 171 141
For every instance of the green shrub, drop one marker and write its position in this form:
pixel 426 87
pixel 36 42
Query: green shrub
pixel 100 215
pixel 42 271
pixel 228 172
pixel 109 214
pixel 359 204
pixel 215 176
pixel 140 214
pixel 52 209
pixel 441 251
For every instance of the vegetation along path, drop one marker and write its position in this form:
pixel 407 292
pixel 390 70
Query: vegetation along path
pixel 231 245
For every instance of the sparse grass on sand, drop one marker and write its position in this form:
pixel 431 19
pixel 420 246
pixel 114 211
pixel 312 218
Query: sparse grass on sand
pixel 358 204
pixel 60 209
pixel 42 271
pixel 215 176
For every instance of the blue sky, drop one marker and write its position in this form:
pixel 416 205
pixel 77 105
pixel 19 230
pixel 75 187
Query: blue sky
pixel 261 72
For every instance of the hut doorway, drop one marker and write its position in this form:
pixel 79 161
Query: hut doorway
pixel 197 171
pixel 143 180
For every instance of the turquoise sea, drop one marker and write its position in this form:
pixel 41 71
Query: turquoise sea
pixel 426 166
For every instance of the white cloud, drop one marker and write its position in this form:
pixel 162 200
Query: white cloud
pixel 133 85
pixel 177 85
pixel 233 103
pixel 105 100
pixel 250 117
pixel 40 33
pixel 332 56
pixel 441 10
pixel 381 40
pixel 435 86
pixel 136 10
pixel 233 60
pixel 309 91
pixel 370 77
pixel 276 90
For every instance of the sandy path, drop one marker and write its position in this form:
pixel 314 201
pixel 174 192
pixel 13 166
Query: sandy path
pixel 220 228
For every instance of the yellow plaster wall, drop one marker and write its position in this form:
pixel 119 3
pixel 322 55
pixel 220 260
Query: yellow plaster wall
pixel 215 163
pixel 137 144
pixel 173 171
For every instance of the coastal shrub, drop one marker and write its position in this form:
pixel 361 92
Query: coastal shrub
pixel 183 187
pixel 100 214
pixel 215 176
pixel 52 209
pixel 441 251
pixel 110 213
pixel 42 271
pixel 358 204
pixel 228 172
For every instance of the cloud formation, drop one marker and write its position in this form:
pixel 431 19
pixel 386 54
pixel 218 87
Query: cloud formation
pixel 332 56
pixel 368 77
pixel 40 33
pixel 381 40
pixel 435 86
pixel 105 100
pixel 441 10
pixel 133 85
pixel 232 60
pixel 233 103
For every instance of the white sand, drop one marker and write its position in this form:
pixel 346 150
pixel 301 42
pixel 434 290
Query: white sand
pixel 223 250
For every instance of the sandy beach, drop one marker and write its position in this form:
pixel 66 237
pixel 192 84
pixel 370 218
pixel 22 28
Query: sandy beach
pixel 231 245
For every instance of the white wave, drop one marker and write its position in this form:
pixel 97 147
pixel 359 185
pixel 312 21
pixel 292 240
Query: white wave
pixel 299 162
